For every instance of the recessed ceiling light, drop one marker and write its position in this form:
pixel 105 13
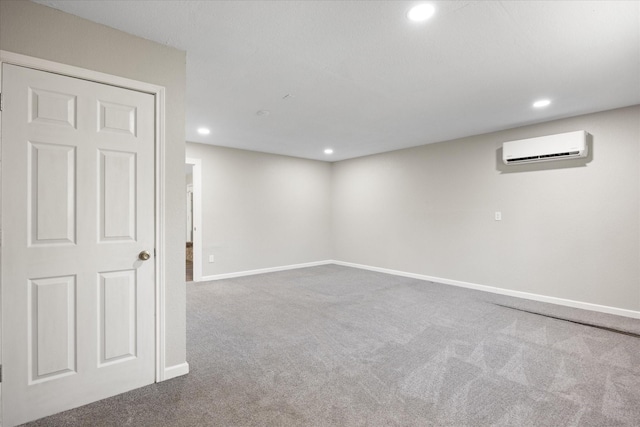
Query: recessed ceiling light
pixel 204 131
pixel 542 103
pixel 421 12
pixel 328 151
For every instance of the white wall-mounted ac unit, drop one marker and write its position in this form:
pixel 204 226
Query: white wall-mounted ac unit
pixel 568 145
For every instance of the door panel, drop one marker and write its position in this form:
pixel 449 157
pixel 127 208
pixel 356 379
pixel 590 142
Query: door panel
pixel 78 186
pixel 117 197
pixel 52 332
pixel 117 118
pixel 51 107
pixel 117 302
pixel 51 193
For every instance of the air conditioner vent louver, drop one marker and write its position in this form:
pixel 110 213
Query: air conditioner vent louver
pixel 543 157
pixel 568 145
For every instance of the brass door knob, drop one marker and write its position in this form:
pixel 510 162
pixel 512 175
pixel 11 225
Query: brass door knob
pixel 144 255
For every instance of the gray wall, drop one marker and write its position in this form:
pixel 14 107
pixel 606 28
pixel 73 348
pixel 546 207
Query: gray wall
pixel 262 210
pixel 569 230
pixel 31 29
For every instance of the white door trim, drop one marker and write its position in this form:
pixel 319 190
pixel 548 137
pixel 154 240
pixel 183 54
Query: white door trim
pixel 197 217
pixel 160 228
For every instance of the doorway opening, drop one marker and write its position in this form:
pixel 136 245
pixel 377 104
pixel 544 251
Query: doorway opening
pixel 189 229
pixel 193 232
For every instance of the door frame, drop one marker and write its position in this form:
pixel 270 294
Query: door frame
pixel 158 93
pixel 197 217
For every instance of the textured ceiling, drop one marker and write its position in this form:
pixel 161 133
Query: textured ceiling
pixel 362 79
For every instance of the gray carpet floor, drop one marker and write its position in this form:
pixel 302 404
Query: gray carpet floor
pixel 336 346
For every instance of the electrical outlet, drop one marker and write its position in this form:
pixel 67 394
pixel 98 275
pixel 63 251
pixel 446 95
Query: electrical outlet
pixel 498 216
pixel 211 258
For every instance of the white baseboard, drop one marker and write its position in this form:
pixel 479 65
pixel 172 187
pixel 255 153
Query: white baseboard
pixel 264 270
pixel 518 294
pixel 176 371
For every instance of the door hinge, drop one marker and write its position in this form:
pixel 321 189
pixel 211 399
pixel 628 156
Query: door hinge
pixel 1 102
pixel 0 373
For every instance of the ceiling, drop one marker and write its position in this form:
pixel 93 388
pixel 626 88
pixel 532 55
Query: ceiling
pixel 296 77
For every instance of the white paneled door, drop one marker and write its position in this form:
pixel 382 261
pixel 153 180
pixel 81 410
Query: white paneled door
pixel 77 221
